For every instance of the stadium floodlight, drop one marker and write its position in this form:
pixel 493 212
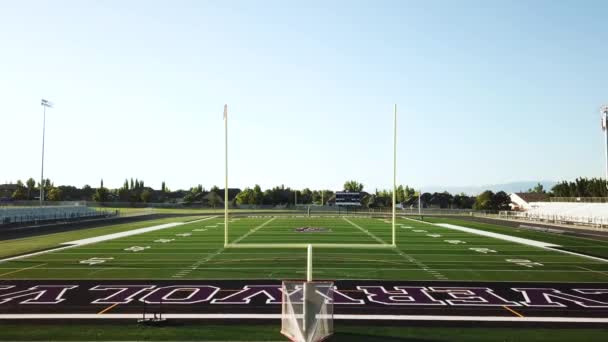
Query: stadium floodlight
pixel 604 112
pixel 44 103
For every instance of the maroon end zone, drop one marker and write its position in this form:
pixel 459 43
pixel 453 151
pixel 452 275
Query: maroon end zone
pixel 381 301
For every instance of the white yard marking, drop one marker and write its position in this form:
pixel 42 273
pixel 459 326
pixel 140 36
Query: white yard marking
pixel 528 242
pixel 183 234
pixel 365 231
pixel 164 240
pixel 455 242
pixel 199 230
pixel 482 250
pixel 83 242
pixel 523 241
pixel 136 248
pixel 197 264
pixel 419 230
pixel 95 260
pixel 434 235
pixel 253 231
pixel 524 262
pixel 133 316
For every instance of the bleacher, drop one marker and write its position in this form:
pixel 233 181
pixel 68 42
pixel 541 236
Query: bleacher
pixel 567 212
pixel 47 214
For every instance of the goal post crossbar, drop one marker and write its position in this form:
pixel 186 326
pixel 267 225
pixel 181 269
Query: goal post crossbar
pixel 305 245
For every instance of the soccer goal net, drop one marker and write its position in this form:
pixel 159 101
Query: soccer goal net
pixel 307 311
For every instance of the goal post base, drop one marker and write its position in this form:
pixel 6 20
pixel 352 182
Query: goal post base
pixel 307 310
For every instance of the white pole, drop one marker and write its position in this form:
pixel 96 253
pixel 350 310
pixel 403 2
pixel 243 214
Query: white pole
pixel 394 171
pixel 309 264
pixel 42 167
pixel 420 203
pixel 605 128
pixel 226 175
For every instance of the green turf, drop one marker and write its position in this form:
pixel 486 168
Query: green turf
pixel 35 243
pixel 420 255
pixel 585 245
pixel 270 332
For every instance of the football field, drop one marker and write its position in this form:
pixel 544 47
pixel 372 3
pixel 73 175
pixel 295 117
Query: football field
pixel 424 251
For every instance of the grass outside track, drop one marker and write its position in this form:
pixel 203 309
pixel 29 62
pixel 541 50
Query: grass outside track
pixel 270 332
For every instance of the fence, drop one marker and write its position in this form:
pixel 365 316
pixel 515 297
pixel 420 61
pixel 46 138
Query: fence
pixel 39 215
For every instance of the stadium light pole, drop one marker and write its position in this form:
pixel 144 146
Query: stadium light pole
pixel 44 103
pixel 225 175
pixel 394 171
pixel 604 111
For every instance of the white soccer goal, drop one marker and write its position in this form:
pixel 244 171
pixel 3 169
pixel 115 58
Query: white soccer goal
pixel 307 311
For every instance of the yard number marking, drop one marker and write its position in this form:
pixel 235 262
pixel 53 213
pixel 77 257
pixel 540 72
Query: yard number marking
pixel 454 242
pixel 419 230
pixel 524 262
pixel 199 230
pixel 136 248
pixel 164 240
pixel 183 234
pixel 482 250
pixel 434 235
pixel 95 260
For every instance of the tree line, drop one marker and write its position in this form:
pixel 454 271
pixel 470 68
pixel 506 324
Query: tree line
pixel 135 191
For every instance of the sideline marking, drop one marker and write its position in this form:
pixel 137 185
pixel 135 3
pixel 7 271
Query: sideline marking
pixel 107 309
pixel 513 311
pixel 83 242
pixel 510 238
pixel 22 269
pixel 339 317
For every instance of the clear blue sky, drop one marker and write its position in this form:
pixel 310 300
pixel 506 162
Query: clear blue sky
pixel 488 91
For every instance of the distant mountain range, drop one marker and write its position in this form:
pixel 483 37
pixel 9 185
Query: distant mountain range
pixel 522 186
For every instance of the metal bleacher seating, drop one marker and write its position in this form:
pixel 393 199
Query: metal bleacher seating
pixel 23 215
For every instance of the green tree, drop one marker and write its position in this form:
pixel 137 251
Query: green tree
pixel 538 188
pixel 101 195
pixel 484 201
pixel 353 186
pixel 245 197
pixel 55 194
pixel 31 185
pixel 214 199
pixel 146 195
pixel 20 193
pixel 163 187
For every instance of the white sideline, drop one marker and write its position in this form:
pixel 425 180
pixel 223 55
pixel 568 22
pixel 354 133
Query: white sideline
pixel 534 243
pixel 338 317
pixel 121 234
pixel 101 238
pixel 522 241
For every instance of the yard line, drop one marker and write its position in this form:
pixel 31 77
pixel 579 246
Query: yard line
pixel 107 309
pixel 23 269
pixel 590 270
pixel 513 311
pixel 365 231
pixel 253 230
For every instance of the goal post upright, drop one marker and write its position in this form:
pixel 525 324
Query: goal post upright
pixel 394 173
pixel 225 175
